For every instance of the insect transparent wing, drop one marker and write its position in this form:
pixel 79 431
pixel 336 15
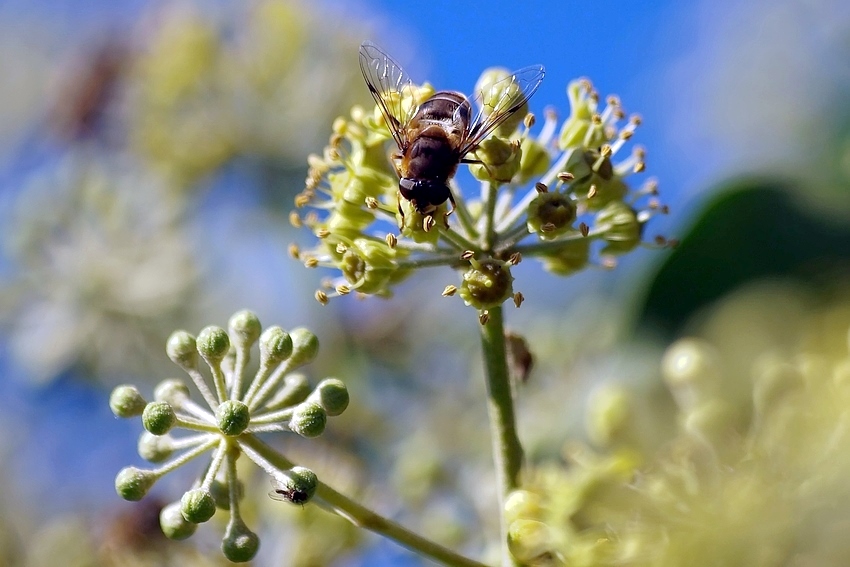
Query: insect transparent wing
pixel 390 86
pixel 499 99
pixel 275 495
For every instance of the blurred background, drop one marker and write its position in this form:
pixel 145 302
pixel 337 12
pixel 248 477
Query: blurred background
pixel 149 155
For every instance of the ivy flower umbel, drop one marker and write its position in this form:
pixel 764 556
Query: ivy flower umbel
pixel 565 198
pixel 274 399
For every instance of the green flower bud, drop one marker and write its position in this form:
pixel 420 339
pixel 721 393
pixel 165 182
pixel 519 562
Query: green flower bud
pixel 595 179
pixel 498 94
pixel 579 130
pixel 155 448
pixel 158 417
pixel 133 484
pixel 523 504
pixel 414 223
pixel 244 328
pixel 305 347
pixel 297 485
pixel 213 343
pixel 308 419
pixel 529 540
pixel 296 389
pixel 501 160
pixel 239 543
pixel 126 401
pixel 181 349
pixel 487 284
pixel 550 214
pixel 690 362
pixel 620 226
pixel 197 505
pixel 173 524
pixel 275 345
pixel 233 417
pixel 368 265
pixel 173 391
pixel 534 160
pixel 332 395
pixel 365 182
pixel 348 219
pixel 570 257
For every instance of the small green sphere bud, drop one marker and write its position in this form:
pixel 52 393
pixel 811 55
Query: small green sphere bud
pixel 308 420
pixel 550 214
pixel 579 130
pixel 197 505
pixel 155 448
pixel 502 159
pixel 126 401
pixel 133 483
pixel 690 362
pixel 305 346
pixel 158 417
pixel 182 349
pixel 621 228
pixel 529 540
pixel 487 284
pixel 173 524
pixel 173 391
pixel 332 395
pixel 239 543
pixel 297 485
pixel 244 328
pixel 233 417
pixel 275 345
pixel 296 388
pixel 497 95
pixel 523 504
pixel 213 343
pixel 570 257
pixel 534 161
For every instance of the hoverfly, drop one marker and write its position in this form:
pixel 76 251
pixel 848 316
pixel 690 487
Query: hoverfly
pixel 434 137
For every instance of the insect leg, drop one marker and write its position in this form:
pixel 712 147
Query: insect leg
pixel 477 162
pixel 454 206
pixel 400 211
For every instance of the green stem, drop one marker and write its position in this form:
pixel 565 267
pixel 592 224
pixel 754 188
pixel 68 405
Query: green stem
pixel 463 215
pixel 507 451
pixel 490 190
pixel 357 514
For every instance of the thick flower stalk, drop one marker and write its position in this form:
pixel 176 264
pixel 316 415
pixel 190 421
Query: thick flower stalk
pixel 225 423
pixel 564 197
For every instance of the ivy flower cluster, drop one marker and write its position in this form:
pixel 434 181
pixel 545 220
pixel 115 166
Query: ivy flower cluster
pixel 564 196
pixel 750 476
pixel 274 400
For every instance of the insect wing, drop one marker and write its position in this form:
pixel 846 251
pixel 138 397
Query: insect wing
pixel 499 99
pixel 275 495
pixel 390 87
